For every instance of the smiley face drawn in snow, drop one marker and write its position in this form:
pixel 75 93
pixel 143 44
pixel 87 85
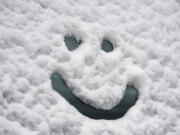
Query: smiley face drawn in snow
pixel 129 98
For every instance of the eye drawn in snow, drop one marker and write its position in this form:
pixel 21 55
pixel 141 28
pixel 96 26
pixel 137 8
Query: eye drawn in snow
pixel 71 42
pixel 59 85
pixel 106 45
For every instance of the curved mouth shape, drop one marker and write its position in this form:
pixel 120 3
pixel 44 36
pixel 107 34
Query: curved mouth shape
pixel 129 99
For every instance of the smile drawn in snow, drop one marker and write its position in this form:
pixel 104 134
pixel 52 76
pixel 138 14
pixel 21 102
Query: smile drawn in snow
pixel 59 85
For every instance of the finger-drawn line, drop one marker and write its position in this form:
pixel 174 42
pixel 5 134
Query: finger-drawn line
pixel 129 99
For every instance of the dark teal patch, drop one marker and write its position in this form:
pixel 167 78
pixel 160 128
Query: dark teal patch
pixel 129 99
pixel 71 42
pixel 106 45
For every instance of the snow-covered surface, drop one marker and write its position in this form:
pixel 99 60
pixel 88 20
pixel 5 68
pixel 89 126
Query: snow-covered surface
pixel 146 38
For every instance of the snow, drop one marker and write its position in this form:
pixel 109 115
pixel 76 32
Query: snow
pixel 145 35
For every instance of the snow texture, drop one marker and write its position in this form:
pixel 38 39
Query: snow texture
pixel 146 39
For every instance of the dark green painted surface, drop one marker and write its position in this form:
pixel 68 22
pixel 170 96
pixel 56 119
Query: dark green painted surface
pixel 129 99
pixel 71 42
pixel 106 45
